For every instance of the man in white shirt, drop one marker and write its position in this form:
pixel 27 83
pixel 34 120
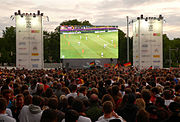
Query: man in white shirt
pixel 74 92
pixel 109 113
pixel 3 116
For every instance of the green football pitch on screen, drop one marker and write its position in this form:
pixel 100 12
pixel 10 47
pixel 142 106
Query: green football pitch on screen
pixel 89 45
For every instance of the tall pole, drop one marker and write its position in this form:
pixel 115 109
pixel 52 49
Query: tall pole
pixel 127 38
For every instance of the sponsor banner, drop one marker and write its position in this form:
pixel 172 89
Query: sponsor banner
pixel 35 31
pixel 145 45
pixel 145 55
pixel 28 38
pixel 71 32
pixel 22 43
pixel 23 48
pixel 112 30
pixel 34 65
pixel 22 60
pixel 148 43
pixel 156 34
pixel 156 61
pixel 35 59
pixel 35 54
pixel 144 51
pixel 29 42
pixel 156 56
pixel 22 53
pixel 99 31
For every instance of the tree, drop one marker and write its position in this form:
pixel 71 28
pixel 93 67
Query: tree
pixel 122 46
pixel 8 45
pixel 76 22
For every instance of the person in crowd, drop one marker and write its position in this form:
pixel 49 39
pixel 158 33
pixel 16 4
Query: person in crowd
pixel 71 116
pixel 7 94
pixel 74 91
pixel 129 110
pixel 32 112
pixel 128 88
pixel 94 111
pixel 78 105
pixel 18 106
pixel 50 115
pixel 3 116
pixel 82 93
pixel 109 113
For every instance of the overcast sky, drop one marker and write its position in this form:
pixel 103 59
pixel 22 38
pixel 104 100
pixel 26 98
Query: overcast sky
pixel 98 12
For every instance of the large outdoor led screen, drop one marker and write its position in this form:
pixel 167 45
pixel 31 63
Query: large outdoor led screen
pixel 84 42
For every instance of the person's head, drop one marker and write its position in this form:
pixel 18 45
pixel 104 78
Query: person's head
pixel 160 102
pixel 177 99
pixel 7 94
pixel 20 100
pixel 93 98
pixel 53 103
pixel 65 90
pixel 140 103
pixel 3 105
pixel 142 116
pixel 71 116
pixel 131 98
pixel 49 92
pixel 78 105
pixel 27 100
pixel 74 88
pixel 107 107
pixel 83 90
pixel 115 90
pixel 26 93
pixel 49 115
pixel 37 100
pixel 167 94
pixel 107 97
pixel 146 95
pixel 94 91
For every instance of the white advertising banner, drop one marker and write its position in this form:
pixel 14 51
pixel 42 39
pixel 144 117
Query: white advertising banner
pixel 149 43
pixel 29 42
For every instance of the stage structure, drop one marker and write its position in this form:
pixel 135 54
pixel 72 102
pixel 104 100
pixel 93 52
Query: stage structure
pixel 29 40
pixel 147 42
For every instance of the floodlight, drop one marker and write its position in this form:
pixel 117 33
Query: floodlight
pixel 34 15
pixel 146 19
pixel 19 12
pixel 38 12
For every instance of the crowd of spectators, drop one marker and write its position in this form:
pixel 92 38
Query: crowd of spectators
pixel 90 95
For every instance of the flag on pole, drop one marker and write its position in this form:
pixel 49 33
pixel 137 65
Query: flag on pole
pixel 107 65
pixel 116 66
pixel 127 64
pixel 92 63
pixel 150 67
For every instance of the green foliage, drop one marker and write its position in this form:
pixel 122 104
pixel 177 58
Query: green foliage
pixel 8 45
pixel 122 46
pixel 76 22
